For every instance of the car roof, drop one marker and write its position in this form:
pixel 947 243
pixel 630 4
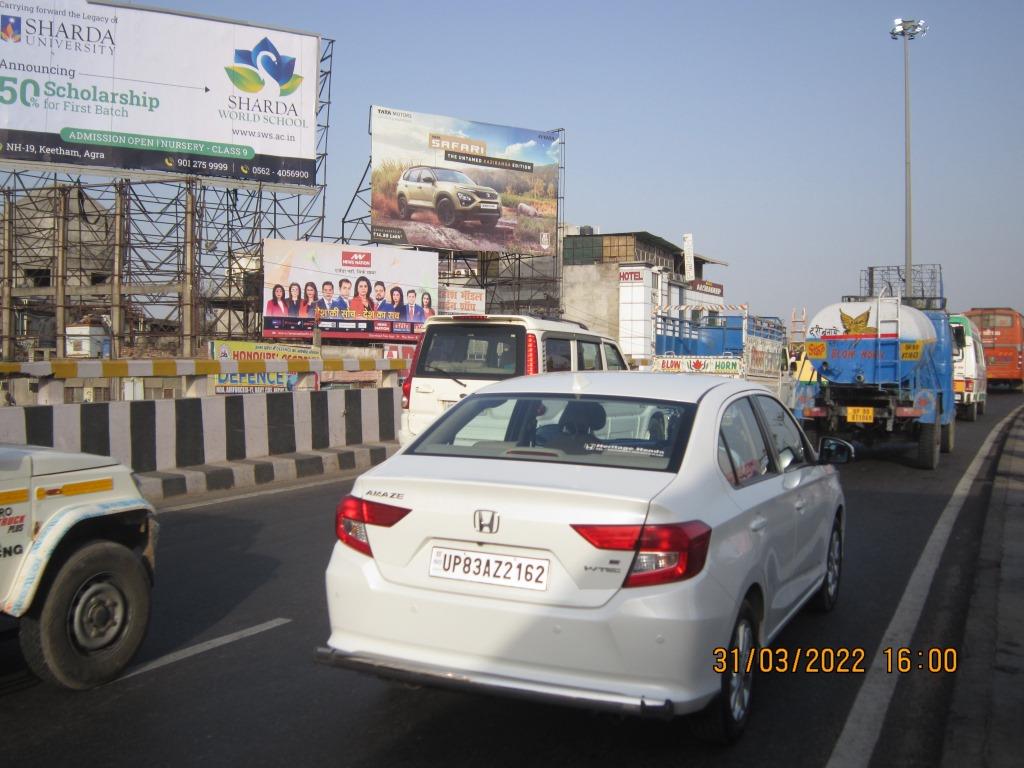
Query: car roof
pixel 532 323
pixel 680 387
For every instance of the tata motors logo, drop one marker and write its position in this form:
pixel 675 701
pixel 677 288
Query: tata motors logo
pixel 356 259
pixel 245 73
pixel 10 29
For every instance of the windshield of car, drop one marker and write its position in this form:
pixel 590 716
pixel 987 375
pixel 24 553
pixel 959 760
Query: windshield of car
pixel 443 174
pixel 472 352
pixel 631 433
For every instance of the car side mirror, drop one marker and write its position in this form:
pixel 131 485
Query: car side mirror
pixel 832 450
pixel 427 179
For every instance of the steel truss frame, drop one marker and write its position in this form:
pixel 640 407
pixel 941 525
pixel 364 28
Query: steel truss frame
pixel 164 264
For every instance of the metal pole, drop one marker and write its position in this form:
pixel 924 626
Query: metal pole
pixel 7 280
pixel 908 266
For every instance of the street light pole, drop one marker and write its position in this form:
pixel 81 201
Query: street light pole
pixel 908 29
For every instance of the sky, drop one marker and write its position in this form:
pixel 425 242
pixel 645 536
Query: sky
pixel 771 130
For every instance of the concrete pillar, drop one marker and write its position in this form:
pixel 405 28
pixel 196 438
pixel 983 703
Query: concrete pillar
pixel 51 391
pixel 196 386
pixel 116 314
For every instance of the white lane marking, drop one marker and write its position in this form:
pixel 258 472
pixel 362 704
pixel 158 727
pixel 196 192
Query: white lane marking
pixel 864 723
pixel 209 645
pixel 253 494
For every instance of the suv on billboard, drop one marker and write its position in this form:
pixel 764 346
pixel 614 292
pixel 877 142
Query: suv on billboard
pixel 452 195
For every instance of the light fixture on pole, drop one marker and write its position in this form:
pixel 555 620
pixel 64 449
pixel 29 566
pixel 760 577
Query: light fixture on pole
pixel 908 29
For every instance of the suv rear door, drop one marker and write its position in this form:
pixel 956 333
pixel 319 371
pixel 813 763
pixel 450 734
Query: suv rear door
pixel 457 359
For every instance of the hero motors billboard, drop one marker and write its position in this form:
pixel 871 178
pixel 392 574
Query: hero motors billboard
pixel 455 184
pixel 120 88
pixel 348 292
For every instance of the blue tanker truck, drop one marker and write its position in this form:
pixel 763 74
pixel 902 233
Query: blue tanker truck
pixel 884 373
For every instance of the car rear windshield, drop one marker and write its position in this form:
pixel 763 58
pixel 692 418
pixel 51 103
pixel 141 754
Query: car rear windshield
pixel 472 352
pixel 630 433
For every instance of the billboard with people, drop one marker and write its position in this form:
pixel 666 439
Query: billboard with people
pixel 118 88
pixel 377 293
pixel 442 182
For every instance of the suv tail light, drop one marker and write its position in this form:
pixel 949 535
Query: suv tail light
pixel 354 514
pixel 664 553
pixel 532 361
pixel 407 384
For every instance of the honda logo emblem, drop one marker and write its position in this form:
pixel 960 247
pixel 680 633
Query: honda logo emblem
pixel 486 521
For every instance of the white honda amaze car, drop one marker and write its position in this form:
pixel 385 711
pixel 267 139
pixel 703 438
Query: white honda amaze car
pixel 590 539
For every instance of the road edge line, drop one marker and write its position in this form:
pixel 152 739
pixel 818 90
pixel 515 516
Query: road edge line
pixel 856 743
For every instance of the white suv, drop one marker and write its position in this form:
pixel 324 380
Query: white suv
pixel 459 354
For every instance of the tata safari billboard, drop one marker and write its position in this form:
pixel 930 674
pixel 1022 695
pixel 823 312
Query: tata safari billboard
pixel 116 88
pixel 442 182
pixel 377 293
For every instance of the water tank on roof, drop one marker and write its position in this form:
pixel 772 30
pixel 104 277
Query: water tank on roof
pixel 586 230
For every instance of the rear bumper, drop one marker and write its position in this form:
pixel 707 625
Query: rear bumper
pixel 646 651
pixel 477 682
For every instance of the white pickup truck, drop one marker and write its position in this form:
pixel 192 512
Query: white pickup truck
pixel 77 557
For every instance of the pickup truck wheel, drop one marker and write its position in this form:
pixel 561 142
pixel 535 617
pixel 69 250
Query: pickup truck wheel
pixel 928 446
pixel 981 407
pixel 948 436
pixel 970 412
pixel 87 626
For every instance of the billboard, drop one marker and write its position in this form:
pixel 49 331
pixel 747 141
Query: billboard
pixel 442 182
pixel 462 301
pixel 249 383
pixel 116 88
pixel 376 293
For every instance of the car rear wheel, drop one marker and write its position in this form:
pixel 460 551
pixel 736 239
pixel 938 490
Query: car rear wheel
pixel 85 628
pixel 970 412
pixel 981 407
pixel 725 718
pixel 446 212
pixel 825 598
pixel 403 207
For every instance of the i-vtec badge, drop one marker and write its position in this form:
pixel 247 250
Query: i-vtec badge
pixel 486 521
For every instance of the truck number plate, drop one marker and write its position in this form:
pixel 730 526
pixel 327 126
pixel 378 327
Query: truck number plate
pixel 860 414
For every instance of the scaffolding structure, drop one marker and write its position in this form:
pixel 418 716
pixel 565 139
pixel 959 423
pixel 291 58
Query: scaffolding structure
pixel 515 283
pixel 163 263
pixel 925 280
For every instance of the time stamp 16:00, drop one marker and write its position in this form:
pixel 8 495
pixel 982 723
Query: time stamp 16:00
pixel 833 660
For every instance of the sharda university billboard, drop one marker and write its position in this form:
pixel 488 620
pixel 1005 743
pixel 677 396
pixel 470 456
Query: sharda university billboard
pixel 118 89
pixel 443 182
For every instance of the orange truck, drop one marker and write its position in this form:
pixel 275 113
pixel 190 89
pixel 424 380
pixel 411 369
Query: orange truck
pixel 1002 338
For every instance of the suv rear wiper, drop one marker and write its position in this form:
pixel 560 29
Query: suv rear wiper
pixel 432 367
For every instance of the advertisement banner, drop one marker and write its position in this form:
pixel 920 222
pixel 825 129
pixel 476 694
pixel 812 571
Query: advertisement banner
pixel 462 301
pixel 443 182
pixel 118 89
pixel 249 383
pixel 375 293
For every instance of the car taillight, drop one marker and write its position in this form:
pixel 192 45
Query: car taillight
pixel 532 361
pixel 354 514
pixel 664 553
pixel 407 384
pixel 815 412
pixel 969 385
